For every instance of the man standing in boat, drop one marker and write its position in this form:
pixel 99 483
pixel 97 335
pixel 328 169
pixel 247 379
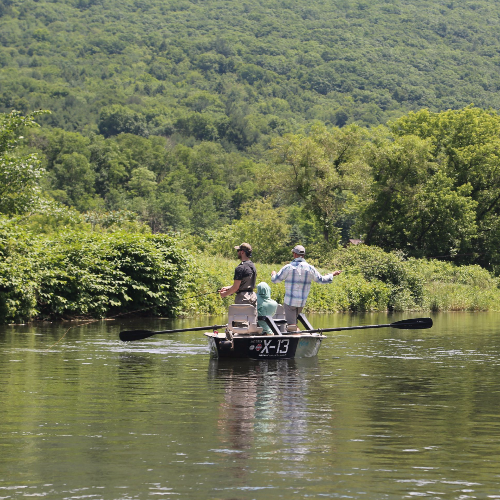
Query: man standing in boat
pixel 298 276
pixel 245 277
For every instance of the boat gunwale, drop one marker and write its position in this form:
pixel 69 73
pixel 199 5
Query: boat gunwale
pixel 284 336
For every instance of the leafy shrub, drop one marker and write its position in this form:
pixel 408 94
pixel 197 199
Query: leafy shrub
pixel 90 274
pixel 405 284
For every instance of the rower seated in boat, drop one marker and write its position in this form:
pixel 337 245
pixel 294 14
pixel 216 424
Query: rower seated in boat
pixel 265 306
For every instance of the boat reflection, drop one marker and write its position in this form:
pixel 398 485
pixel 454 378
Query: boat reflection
pixel 264 405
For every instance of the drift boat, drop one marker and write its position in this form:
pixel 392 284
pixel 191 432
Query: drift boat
pixel 243 338
pixel 301 345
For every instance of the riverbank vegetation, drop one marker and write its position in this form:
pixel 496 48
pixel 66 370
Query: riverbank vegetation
pixel 80 273
pixel 89 270
pixel 372 280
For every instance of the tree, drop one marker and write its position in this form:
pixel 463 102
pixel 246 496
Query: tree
pixel 266 228
pixel 116 119
pixel 74 175
pixel 325 170
pixel 142 183
pixel 414 205
pixel 19 174
pixel 465 147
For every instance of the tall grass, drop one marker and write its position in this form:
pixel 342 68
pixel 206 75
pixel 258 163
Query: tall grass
pixel 372 280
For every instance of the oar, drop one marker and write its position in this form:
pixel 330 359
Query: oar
pixel 405 324
pixel 130 335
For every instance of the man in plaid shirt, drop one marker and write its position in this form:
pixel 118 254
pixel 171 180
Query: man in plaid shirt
pixel 298 276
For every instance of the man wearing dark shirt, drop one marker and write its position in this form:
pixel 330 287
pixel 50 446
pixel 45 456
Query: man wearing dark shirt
pixel 245 276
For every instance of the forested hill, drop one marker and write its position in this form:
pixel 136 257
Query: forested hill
pixel 240 71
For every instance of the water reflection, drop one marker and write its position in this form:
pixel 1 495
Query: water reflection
pixel 264 406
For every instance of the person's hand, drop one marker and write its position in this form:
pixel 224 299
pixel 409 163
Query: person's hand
pixel 223 291
pixel 273 274
pixel 336 273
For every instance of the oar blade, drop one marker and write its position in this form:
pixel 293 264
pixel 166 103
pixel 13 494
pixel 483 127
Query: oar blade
pixel 413 324
pixel 131 335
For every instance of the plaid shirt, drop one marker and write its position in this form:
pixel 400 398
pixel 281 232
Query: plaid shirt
pixel 298 276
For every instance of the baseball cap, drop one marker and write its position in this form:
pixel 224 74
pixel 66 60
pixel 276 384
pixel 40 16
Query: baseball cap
pixel 299 250
pixel 245 247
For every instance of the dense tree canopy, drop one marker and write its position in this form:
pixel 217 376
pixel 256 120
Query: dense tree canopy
pixel 327 172
pixel 240 73
pixel 19 174
pixel 466 150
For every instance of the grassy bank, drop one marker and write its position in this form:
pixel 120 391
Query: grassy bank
pixel 85 273
pixel 372 280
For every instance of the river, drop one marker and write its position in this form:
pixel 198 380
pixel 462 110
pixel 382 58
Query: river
pixel 378 414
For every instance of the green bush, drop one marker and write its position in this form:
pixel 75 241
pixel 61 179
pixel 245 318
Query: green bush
pixel 90 274
pixel 406 286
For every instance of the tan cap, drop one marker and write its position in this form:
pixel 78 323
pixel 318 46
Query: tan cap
pixel 245 247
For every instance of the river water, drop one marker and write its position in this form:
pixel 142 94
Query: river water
pixel 378 414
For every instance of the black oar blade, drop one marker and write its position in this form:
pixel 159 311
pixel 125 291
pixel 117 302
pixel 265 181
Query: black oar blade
pixel 131 335
pixel 413 324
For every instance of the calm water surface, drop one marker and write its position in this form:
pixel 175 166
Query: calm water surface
pixel 378 414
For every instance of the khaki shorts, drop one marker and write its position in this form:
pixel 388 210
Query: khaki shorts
pixel 246 298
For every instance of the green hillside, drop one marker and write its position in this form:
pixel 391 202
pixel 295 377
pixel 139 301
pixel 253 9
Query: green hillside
pixel 240 72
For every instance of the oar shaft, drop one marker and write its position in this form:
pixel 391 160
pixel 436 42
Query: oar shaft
pixel 317 330
pixel 197 329
pixel 131 335
pixel 406 324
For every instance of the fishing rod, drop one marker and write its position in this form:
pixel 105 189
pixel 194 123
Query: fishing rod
pixel 200 295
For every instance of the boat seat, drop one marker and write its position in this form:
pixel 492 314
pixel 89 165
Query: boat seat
pixel 242 319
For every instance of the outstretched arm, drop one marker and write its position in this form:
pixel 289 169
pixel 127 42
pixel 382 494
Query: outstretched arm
pixel 276 277
pixel 327 278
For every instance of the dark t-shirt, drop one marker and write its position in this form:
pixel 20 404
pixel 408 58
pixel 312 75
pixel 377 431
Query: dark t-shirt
pixel 247 274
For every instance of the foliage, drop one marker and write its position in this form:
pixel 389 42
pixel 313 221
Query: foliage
pixel 264 227
pixel 77 273
pixel 406 286
pixel 19 174
pixel 466 146
pixel 427 185
pixel 416 205
pixel 255 121
pixel 242 73
pixel 171 188
pixel 85 271
pixel 325 170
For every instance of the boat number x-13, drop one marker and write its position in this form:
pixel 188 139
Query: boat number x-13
pixel 271 347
